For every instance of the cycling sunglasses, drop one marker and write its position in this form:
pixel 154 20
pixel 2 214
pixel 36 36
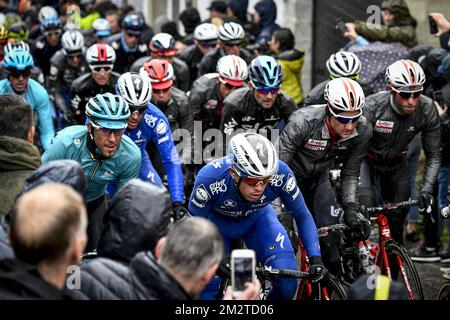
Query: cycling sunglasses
pixel 100 68
pixel 106 131
pixel 266 91
pixel 138 109
pixel 17 73
pixel 74 56
pixel 157 91
pixel 253 182
pixel 52 33
pixel 345 120
pixel 208 45
pixel 407 95
pixel 133 35
pixel 229 86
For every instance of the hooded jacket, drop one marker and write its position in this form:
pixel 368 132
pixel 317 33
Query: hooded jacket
pixel 402 30
pixel 267 10
pixel 18 160
pixel 291 63
pixel 137 218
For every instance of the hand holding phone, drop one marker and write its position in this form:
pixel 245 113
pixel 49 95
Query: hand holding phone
pixel 243 266
pixel 341 27
pixel 433 25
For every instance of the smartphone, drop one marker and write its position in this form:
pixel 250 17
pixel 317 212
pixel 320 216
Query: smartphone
pixel 433 25
pixel 437 96
pixel 341 26
pixel 243 266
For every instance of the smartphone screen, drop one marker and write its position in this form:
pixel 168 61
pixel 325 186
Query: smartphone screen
pixel 341 26
pixel 242 271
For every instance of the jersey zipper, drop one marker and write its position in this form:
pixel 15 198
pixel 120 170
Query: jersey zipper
pixel 99 163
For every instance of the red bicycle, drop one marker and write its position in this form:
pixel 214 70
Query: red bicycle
pixel 391 258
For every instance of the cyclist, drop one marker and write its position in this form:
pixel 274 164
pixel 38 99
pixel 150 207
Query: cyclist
pixel 260 106
pixel 99 33
pixel 100 58
pixel 312 139
pixel 340 64
pixel 19 63
pixel 128 47
pixel 148 123
pixel 235 193
pixel 47 44
pixel 162 46
pixel 397 116
pixel 104 153
pixel 209 91
pixel 67 65
pixel 231 38
pixel 205 39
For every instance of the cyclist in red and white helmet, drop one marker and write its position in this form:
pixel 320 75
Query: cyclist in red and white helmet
pixel 314 137
pixel 397 116
pixel 231 36
pixel 100 58
pixel 162 46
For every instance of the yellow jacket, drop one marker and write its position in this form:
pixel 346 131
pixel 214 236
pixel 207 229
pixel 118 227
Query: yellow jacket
pixel 292 62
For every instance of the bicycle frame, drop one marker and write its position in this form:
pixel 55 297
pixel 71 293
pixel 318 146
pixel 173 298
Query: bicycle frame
pixel 382 258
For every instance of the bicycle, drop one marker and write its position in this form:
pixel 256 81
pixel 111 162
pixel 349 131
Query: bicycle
pixel 391 257
pixel 444 290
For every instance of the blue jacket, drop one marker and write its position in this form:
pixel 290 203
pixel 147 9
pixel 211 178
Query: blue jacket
pixel 39 101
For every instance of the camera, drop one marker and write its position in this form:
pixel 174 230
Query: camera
pixel 243 265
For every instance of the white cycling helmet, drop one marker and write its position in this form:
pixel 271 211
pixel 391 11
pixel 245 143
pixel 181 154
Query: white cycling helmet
pixel 231 33
pixel 405 75
pixel 46 13
pixel 72 40
pixel 100 53
pixel 253 155
pixel 163 44
pixel 343 64
pixel 102 27
pixel 233 69
pixel 134 88
pixel 19 45
pixel 344 95
pixel 206 32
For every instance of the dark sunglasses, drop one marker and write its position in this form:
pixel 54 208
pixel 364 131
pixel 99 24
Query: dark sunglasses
pixel 133 35
pixel 253 182
pixel 74 56
pixel 160 90
pixel 266 91
pixel 52 33
pixel 208 45
pixel 17 73
pixel 232 45
pixel 345 120
pixel 407 95
pixel 138 109
pixel 99 69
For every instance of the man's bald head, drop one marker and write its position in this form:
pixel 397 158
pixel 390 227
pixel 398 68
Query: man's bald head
pixel 45 222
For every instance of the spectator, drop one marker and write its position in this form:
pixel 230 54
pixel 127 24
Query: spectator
pixel 442 23
pixel 264 18
pixel 291 60
pixel 205 39
pixel 113 18
pixel 231 38
pixel 190 18
pixel 217 13
pixel 398 26
pixel 18 156
pixel 128 48
pixel 48 234
pixel 138 216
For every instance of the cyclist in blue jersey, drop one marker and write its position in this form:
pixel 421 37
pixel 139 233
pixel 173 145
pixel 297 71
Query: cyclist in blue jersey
pixel 18 63
pixel 148 122
pixel 104 153
pixel 235 193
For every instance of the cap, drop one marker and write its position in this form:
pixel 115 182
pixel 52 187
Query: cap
pixel 219 6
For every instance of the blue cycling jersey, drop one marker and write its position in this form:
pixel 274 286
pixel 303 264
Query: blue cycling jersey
pixel 215 196
pixel 154 126
pixel 39 101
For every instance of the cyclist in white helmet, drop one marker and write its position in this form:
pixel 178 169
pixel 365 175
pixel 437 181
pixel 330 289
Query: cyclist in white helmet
pixel 235 193
pixel 397 116
pixel 205 39
pixel 314 137
pixel 340 64
pixel 231 36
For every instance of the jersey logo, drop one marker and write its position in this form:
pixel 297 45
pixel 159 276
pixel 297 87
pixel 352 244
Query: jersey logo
pixel 384 126
pixel 276 180
pixel 161 128
pixel 229 127
pixel 211 104
pixel 216 164
pixel 317 145
pixel 263 197
pixel 202 194
pixel 230 203
pixel 290 184
pixel 150 120
pixel 280 239
pixel 138 134
pixel 218 186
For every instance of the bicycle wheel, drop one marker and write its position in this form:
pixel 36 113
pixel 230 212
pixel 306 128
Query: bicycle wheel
pixel 407 274
pixel 334 288
pixel 444 292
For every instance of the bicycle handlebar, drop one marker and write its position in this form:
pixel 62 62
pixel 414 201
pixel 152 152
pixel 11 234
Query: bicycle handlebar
pixel 266 271
pixel 323 231
pixel 390 206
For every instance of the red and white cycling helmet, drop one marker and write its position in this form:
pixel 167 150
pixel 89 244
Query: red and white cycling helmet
pixel 405 75
pixel 233 69
pixel 100 54
pixel 344 95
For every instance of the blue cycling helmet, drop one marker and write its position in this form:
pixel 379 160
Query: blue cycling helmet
pixel 51 23
pixel 265 72
pixel 108 111
pixel 133 24
pixel 18 59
